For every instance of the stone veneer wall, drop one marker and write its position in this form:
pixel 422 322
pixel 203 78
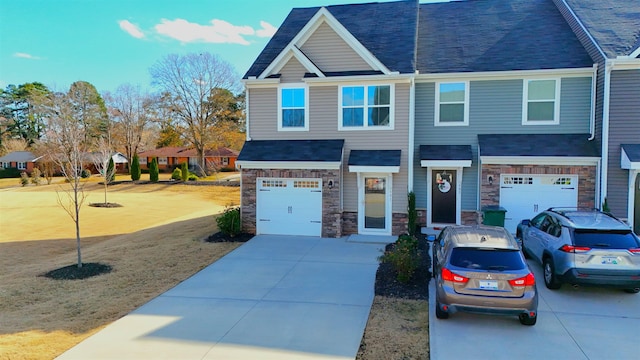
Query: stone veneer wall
pixel 490 194
pixel 331 215
pixel 350 223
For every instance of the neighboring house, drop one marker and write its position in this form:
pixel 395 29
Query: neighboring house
pixel 119 160
pixel 171 157
pixel 21 160
pixel 468 104
pixel 610 31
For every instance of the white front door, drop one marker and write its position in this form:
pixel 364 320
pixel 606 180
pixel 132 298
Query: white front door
pixel 524 196
pixel 374 212
pixel 289 206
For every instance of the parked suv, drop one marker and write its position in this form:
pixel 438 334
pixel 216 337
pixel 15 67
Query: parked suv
pixel 586 247
pixel 481 269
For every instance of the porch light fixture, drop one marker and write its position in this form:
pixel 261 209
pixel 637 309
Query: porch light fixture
pixel 330 184
pixel 490 178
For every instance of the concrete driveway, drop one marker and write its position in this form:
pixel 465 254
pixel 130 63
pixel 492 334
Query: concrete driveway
pixel 275 297
pixel 583 323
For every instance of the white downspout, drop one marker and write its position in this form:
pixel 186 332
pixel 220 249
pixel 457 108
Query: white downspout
pixel 631 214
pixel 605 130
pixel 246 112
pixel 412 102
pixel 592 120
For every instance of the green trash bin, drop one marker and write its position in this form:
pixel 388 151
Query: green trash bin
pixel 493 215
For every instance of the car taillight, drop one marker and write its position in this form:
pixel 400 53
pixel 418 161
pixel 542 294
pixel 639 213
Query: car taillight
pixel 450 276
pixel 528 280
pixel 574 249
pixel 635 251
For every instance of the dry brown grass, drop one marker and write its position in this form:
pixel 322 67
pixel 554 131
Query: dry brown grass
pixel 153 242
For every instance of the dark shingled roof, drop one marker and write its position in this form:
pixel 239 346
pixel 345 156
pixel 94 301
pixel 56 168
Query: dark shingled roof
pixel 387 30
pixel 574 145
pixel 490 35
pixel 292 150
pixel 374 157
pixel 445 152
pixel 632 151
pixel 614 24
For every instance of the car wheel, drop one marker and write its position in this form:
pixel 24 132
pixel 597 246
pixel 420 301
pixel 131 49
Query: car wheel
pixel 440 314
pixel 528 320
pixel 550 279
pixel 632 291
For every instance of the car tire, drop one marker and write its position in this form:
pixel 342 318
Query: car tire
pixel 440 314
pixel 550 278
pixel 632 290
pixel 527 320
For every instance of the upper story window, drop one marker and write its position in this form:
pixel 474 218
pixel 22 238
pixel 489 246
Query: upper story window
pixel 292 108
pixel 541 103
pixel 366 107
pixel 452 104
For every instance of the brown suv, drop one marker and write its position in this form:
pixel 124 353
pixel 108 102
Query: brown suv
pixel 481 269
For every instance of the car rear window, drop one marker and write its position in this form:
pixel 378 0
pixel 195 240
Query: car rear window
pixel 605 239
pixel 487 259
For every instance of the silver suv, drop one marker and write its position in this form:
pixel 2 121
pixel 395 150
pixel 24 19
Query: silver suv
pixel 587 247
pixel 481 269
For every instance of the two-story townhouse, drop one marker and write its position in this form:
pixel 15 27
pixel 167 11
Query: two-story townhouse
pixel 329 108
pixel 610 31
pixel 503 112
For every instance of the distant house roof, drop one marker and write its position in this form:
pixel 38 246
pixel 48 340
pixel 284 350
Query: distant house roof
pixel 180 151
pixel 220 152
pixel 464 36
pixel 556 145
pixel 387 30
pixel 292 150
pixel 18 156
pixel 169 151
pixel 614 24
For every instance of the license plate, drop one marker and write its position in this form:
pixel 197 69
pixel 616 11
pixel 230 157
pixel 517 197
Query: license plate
pixel 488 285
pixel 610 260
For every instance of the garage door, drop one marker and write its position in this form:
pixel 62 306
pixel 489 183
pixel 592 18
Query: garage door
pixel 524 196
pixel 289 206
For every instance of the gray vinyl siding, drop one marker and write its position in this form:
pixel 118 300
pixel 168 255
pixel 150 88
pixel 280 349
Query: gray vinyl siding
pixel 323 124
pixel 330 53
pixel 292 72
pixel 624 128
pixel 495 107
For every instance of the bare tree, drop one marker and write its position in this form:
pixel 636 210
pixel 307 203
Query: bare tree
pixel 193 83
pixel 65 142
pixel 101 158
pixel 130 110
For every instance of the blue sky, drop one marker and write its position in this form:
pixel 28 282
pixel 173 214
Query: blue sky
pixel 112 42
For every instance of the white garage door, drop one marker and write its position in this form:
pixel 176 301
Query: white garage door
pixel 289 206
pixel 524 196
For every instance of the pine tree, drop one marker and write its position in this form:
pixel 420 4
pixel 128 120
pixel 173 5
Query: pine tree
pixel 111 171
pixel 153 170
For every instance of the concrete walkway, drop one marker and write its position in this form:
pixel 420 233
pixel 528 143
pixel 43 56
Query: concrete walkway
pixel 275 297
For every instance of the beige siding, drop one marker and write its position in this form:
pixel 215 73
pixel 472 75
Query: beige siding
pixel 330 53
pixel 292 72
pixel 263 112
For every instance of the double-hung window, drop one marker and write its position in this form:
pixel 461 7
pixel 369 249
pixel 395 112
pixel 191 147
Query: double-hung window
pixel 366 107
pixel 452 104
pixel 541 102
pixel 292 108
pixel 22 165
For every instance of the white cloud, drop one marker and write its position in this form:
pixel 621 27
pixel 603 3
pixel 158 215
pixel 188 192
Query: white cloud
pixel 26 56
pixel 217 31
pixel 131 29
pixel 267 30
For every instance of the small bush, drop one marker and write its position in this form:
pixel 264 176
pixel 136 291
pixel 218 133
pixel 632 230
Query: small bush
pixel 185 171
pixel 85 173
pixel 192 177
pixel 403 257
pixel 176 174
pixel 24 178
pixel 36 176
pixel 229 221
pixel 9 173
pixel 227 169
pixel 412 214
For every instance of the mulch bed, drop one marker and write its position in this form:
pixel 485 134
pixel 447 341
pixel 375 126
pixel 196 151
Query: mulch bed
pixel 220 237
pixel 105 205
pixel 73 272
pixel 417 288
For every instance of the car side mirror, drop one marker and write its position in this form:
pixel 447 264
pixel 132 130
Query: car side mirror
pixel 431 238
pixel 526 222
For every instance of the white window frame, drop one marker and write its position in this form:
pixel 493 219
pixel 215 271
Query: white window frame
pixel 365 122
pixel 5 165
pixel 142 160
pixel 225 161
pixel 162 161
pixel 21 165
pixel 306 107
pixel 465 121
pixel 525 103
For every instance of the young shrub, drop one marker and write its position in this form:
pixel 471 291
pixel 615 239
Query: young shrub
pixel 111 171
pixel 176 174
pixel 185 171
pixel 229 221
pixel 85 173
pixel 135 168
pixel 412 214
pixel 36 176
pixel 24 179
pixel 403 257
pixel 605 206
pixel 153 170
pixel 193 177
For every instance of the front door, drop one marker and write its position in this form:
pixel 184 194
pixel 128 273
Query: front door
pixel 375 204
pixel 443 196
